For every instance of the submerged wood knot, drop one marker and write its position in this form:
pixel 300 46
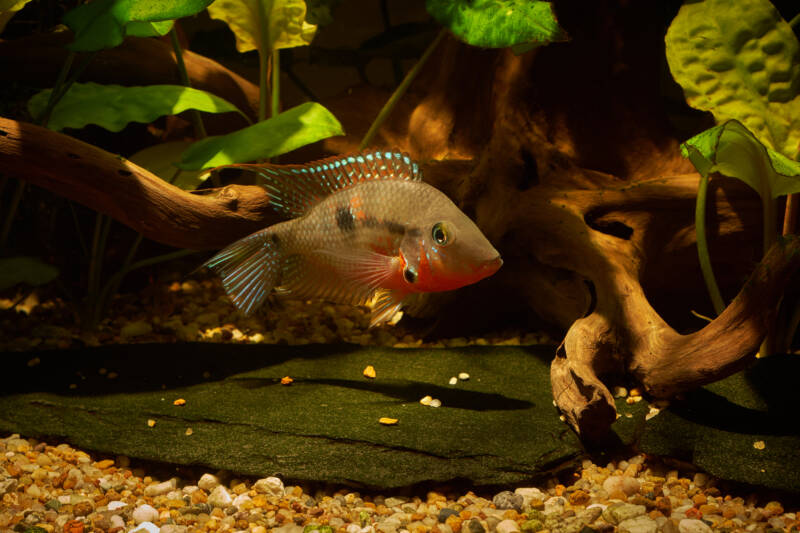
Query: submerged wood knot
pixel 229 197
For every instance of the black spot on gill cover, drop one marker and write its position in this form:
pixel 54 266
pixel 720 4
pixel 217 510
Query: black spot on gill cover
pixel 345 219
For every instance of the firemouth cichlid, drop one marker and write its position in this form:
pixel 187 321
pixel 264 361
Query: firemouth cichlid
pixel 363 229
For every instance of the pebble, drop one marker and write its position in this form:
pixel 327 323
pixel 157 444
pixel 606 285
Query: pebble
pixel 639 524
pixel 508 500
pixel 118 500
pixel 693 525
pixel 624 484
pixel 144 513
pixel 208 482
pixel 146 527
pixel 220 497
pixel 269 485
pixel 507 526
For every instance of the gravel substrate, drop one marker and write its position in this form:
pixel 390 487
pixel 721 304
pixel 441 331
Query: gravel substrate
pixel 50 487
pixel 57 488
pixel 199 311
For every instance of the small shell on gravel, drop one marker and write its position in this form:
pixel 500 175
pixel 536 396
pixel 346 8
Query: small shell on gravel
pixel 386 421
pixel 369 372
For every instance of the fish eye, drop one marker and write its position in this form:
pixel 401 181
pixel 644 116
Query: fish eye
pixel 440 234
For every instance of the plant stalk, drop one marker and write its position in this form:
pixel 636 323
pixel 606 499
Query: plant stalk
pixel 400 91
pixel 276 83
pixel 197 119
pixel 702 247
pixel 790 215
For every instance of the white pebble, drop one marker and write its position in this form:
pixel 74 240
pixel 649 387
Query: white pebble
pixel 116 504
pixel 158 489
pixel 639 524
pixel 208 482
pixel 426 400
pixel 149 527
pixel 625 484
pixel 220 497
pixel 453 380
pixel 269 485
pixel 144 513
pixel 463 376
pixel 117 521
pixel 507 526
pixel 241 499
pixel 436 402
pixel 693 525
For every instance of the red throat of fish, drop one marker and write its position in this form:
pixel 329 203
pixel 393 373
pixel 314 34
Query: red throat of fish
pixel 434 276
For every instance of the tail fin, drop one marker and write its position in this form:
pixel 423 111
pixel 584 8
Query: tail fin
pixel 249 268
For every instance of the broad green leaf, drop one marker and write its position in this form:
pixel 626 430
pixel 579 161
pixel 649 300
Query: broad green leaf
pixel 733 151
pixel 295 127
pixel 113 106
pixel 9 8
pixel 30 270
pixel 149 29
pixel 285 26
pixel 103 23
pixel 739 61
pixel 498 23
pixel 162 159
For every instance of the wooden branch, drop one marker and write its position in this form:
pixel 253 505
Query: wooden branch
pixel 665 362
pixel 128 193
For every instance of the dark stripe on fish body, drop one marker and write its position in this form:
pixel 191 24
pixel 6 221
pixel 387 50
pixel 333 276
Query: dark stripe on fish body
pixel 394 227
pixel 345 219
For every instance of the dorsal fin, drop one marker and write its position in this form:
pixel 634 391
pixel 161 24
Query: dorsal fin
pixel 294 189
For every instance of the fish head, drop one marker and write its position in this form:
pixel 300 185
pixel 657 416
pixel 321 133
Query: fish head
pixel 448 252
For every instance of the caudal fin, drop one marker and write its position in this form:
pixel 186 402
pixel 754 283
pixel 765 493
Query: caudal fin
pixel 249 268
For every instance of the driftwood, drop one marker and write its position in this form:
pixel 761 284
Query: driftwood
pixel 573 173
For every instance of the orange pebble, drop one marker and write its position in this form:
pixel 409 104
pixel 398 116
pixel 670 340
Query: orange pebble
pixel 694 512
pixel 179 402
pixel 286 380
pixel 73 526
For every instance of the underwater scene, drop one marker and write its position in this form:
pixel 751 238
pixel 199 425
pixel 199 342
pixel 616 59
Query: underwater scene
pixel 399 266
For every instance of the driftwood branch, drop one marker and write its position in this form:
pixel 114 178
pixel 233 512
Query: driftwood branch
pixel 128 193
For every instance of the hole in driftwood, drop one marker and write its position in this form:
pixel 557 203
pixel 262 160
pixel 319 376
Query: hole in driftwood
pixel 614 228
pixel 123 172
pixel 592 297
pixel 529 176
pixel 3 133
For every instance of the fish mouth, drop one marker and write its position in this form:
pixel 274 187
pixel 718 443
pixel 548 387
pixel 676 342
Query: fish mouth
pixel 491 266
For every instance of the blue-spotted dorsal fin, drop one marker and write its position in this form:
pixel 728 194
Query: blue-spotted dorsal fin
pixel 294 189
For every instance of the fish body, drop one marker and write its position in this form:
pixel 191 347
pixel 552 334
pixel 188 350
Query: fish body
pixel 365 228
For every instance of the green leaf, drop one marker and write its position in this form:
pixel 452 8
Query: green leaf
pixel 162 160
pixel 732 150
pixel 30 270
pixel 498 23
pixel 103 23
pixel 285 27
pixel 149 29
pixel 114 106
pixel 321 11
pixel 739 61
pixel 295 127
pixel 9 8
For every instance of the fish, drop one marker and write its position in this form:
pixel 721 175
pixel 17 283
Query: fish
pixel 361 229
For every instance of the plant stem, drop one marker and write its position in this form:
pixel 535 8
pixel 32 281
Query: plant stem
pixel 276 83
pixel 81 240
pixel 702 246
pixel 197 119
pixel 795 21
pixel 768 208
pixel 400 91
pixel 790 215
pixel 61 87
pixel 263 57
pixel 54 96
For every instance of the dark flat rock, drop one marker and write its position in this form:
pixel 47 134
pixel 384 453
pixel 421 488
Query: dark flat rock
pixel 498 427
pixel 717 427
